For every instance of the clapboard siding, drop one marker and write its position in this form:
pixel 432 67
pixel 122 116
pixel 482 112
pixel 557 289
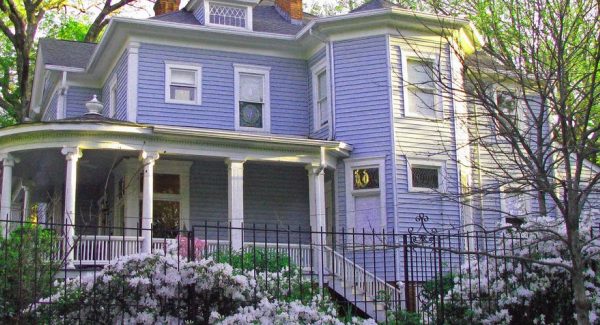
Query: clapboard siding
pixel 76 99
pixel 289 89
pixel 50 113
pixel 323 132
pixel 362 105
pixel 417 138
pixel 120 71
pixel 274 196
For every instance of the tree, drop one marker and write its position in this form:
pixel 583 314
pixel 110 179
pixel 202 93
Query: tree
pixel 20 24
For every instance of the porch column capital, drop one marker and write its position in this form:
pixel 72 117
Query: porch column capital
pixel 315 170
pixel 8 160
pixel 72 153
pixel 234 161
pixel 149 157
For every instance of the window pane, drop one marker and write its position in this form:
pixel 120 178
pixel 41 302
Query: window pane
pixel 420 73
pixel 227 15
pixel 183 93
pixel 183 77
pixel 251 88
pixel 421 102
pixel 163 183
pixel 251 115
pixel 165 217
pixel 323 111
pixel 366 178
pixel 322 80
pixel 425 177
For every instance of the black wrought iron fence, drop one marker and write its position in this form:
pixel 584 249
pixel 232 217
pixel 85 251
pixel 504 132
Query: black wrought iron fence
pixel 424 275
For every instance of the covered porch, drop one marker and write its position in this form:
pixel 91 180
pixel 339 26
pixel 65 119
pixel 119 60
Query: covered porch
pixel 119 189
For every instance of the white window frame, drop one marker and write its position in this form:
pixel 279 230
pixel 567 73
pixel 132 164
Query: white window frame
pixel 112 90
pixel 207 22
pixel 438 105
pixel 519 114
pixel 440 165
pixel 361 163
pixel 183 66
pixel 266 111
pixel 316 70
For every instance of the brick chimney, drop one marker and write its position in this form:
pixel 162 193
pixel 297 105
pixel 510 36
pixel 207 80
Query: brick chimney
pixel 162 7
pixel 290 10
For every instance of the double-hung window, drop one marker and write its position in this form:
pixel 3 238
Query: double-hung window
pixel 183 83
pixel 320 95
pixel 252 111
pixel 421 94
pixel 507 120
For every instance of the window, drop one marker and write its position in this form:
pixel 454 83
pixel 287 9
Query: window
pixel 515 201
pixel 421 94
pixel 508 114
pixel 426 175
pixel 227 15
pixel 365 194
pixel 182 84
pixel 112 90
pixel 252 111
pixel 320 95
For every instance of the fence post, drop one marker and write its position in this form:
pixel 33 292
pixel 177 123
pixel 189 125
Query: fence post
pixel 406 288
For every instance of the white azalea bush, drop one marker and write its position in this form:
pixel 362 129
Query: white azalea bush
pixel 511 291
pixel 168 289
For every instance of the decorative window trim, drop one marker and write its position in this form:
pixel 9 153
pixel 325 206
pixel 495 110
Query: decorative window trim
pixel 207 22
pixel 519 114
pixel 315 71
pixel 503 202
pixel 427 163
pixel 266 113
pixel 437 98
pixel 112 89
pixel 354 163
pixel 183 66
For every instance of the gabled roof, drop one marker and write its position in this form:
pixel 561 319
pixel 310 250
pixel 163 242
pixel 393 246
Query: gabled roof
pixel 181 17
pixel 66 53
pixel 375 4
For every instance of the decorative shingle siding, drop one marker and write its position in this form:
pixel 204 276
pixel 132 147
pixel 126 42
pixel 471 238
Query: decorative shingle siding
pixel 323 132
pixel 120 71
pixel 363 109
pixel 289 89
pixel 50 113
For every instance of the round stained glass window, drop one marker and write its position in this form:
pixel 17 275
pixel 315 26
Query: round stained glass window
pixel 250 115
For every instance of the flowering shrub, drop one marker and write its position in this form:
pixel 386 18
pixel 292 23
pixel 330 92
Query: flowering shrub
pixel 319 311
pixel 149 289
pixel 182 246
pixel 509 291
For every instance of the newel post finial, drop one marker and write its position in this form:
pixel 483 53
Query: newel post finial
pixel 94 106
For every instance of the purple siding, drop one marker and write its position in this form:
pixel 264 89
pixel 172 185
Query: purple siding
pixel 121 72
pixel 289 89
pixel 76 99
pixel 50 113
pixel 323 132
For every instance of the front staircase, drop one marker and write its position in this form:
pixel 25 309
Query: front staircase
pixel 365 291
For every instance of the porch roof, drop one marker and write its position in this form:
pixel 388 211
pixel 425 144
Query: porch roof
pixel 102 133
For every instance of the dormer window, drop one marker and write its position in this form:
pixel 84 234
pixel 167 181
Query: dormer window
pixel 228 15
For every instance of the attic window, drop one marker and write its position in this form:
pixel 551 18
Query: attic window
pixel 220 14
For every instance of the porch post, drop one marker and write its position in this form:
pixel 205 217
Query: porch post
pixel 72 155
pixel 148 158
pixel 316 188
pixel 235 198
pixel 8 162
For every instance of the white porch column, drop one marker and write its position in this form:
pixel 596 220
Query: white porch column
pixel 72 155
pixel 235 195
pixel 8 162
pixel 148 159
pixel 316 188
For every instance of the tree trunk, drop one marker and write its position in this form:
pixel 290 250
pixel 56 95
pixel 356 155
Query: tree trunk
pixel 582 303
